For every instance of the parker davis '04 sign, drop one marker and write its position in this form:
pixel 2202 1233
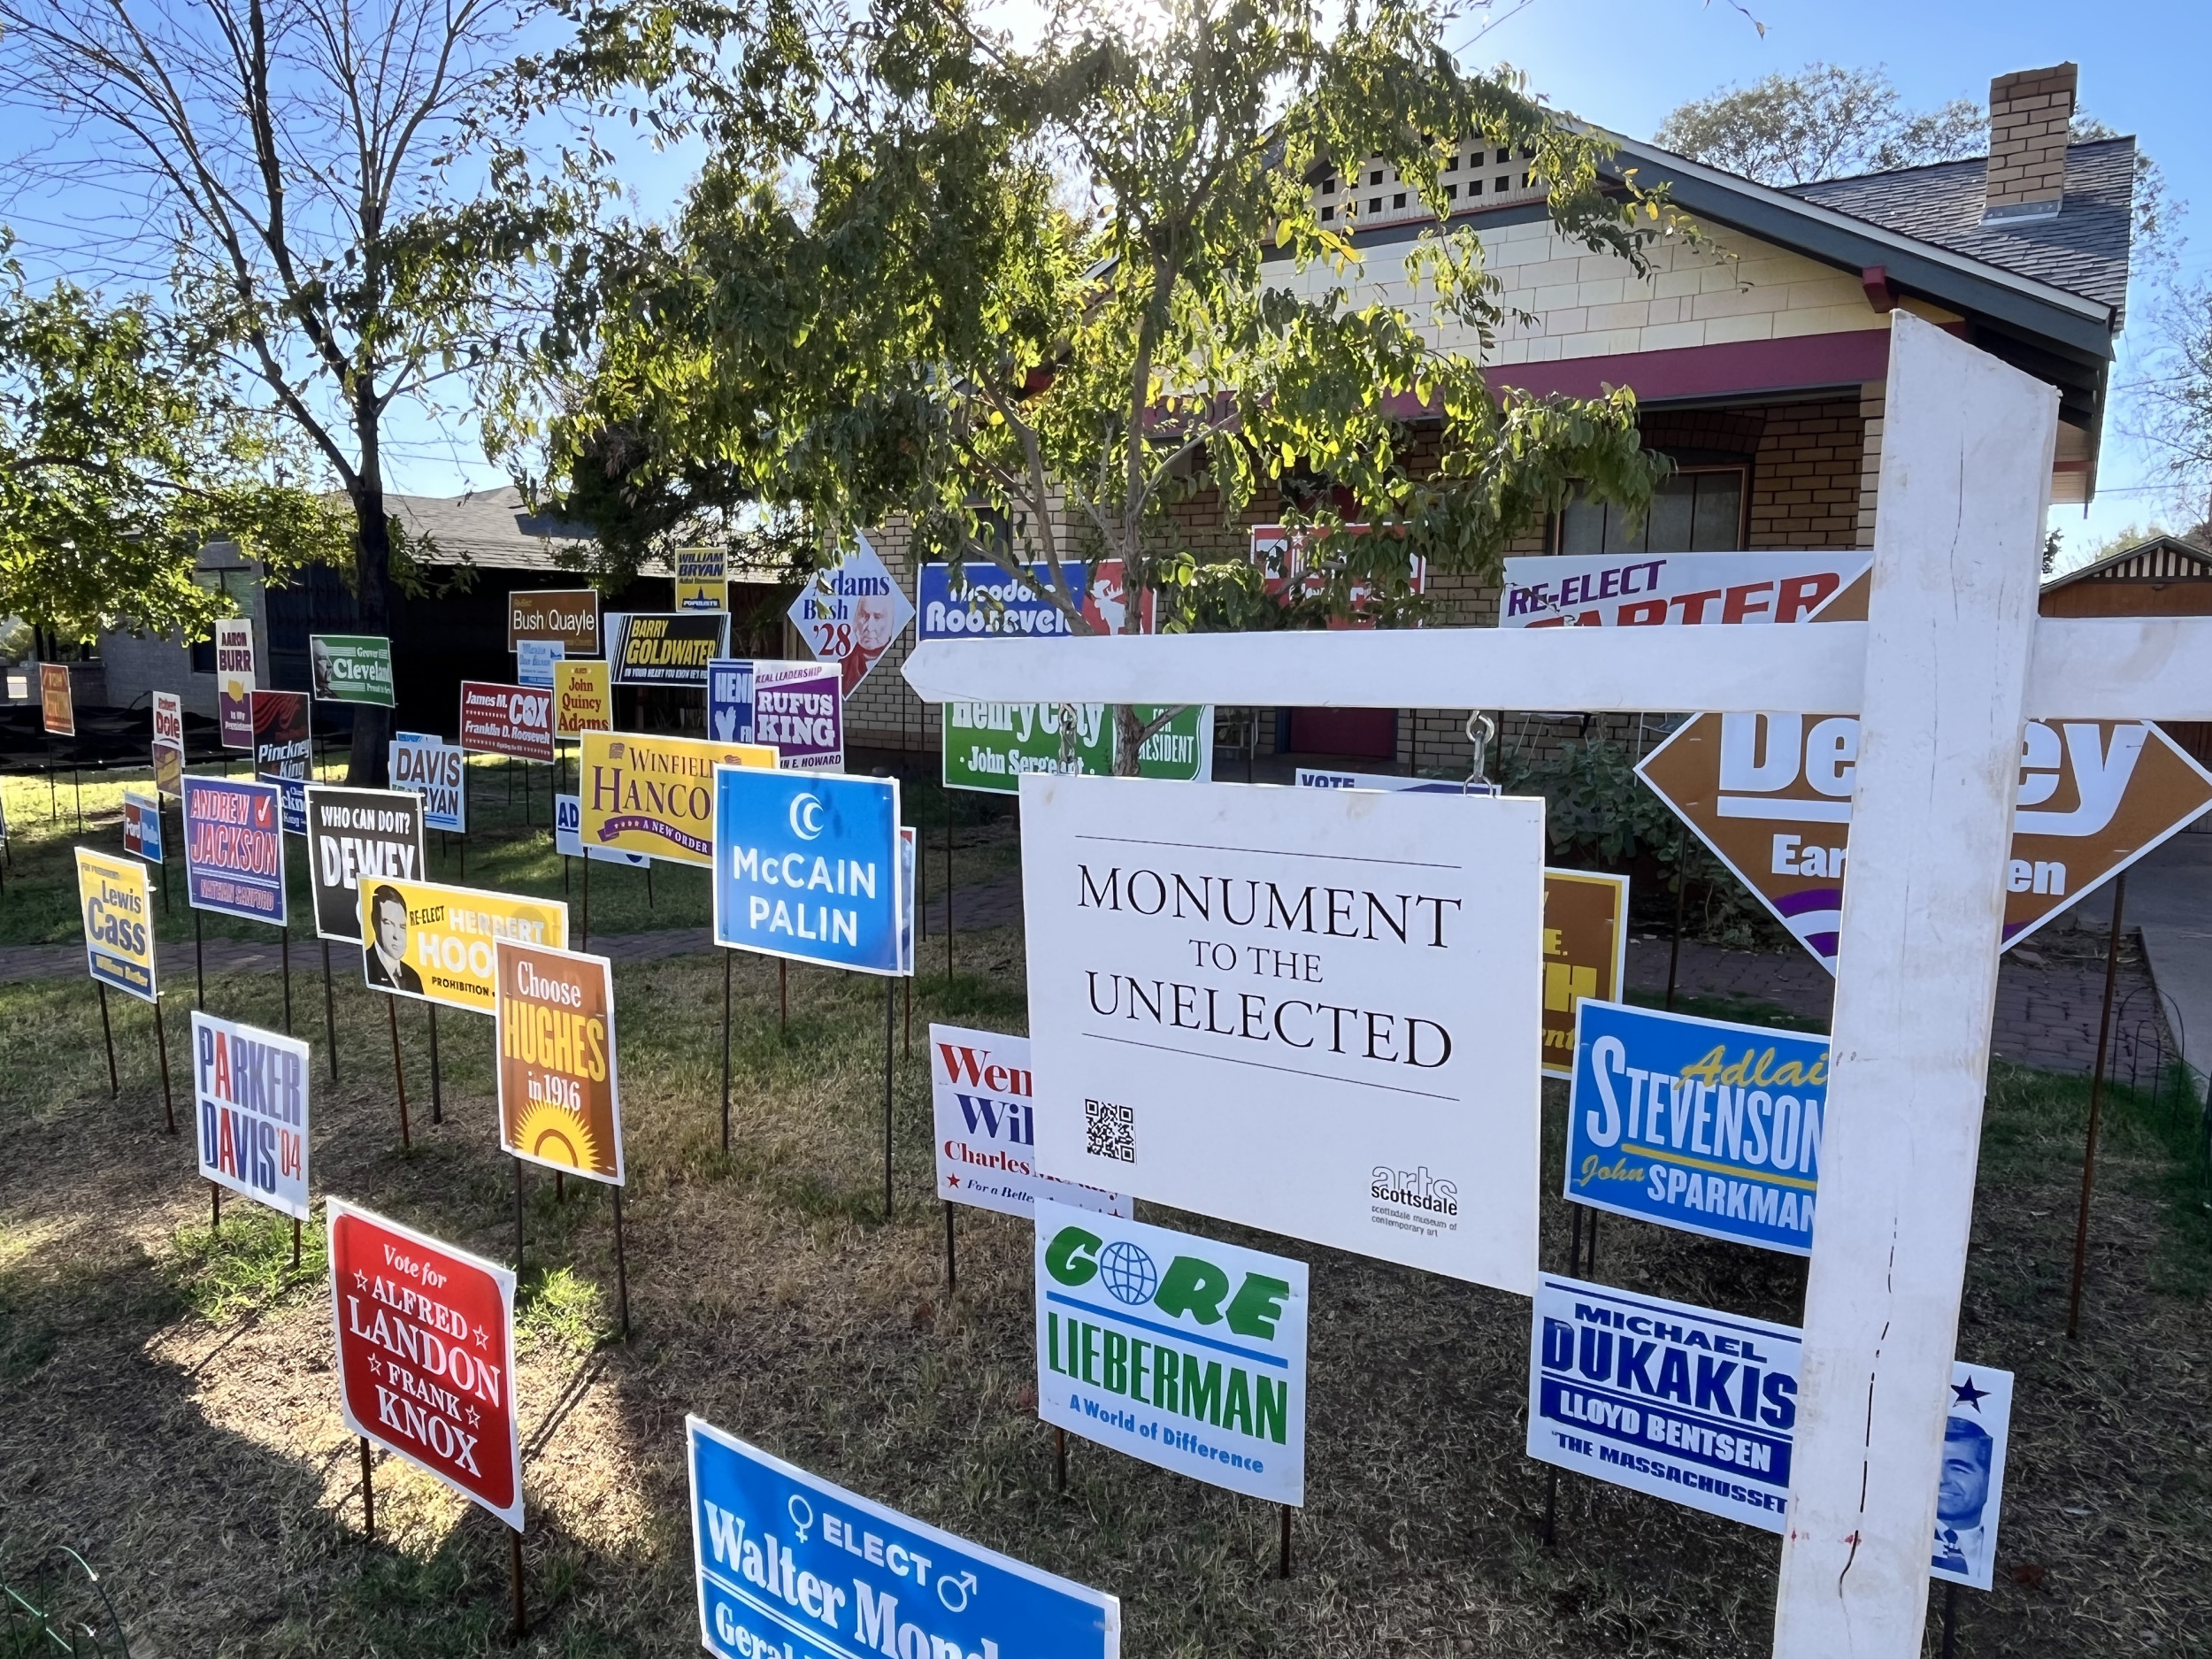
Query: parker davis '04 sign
pixel 1311 1010
pixel 249 1087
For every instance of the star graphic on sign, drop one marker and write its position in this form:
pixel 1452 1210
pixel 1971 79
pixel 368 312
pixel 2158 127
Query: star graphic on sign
pixel 360 1280
pixel 952 1180
pixel 376 1366
pixel 483 1337
pixel 1968 1394
pixel 476 1418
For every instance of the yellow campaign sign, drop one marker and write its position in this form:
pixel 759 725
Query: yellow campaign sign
pixel 700 579
pixel 112 896
pixel 581 701
pixel 1586 953
pixel 655 794
pixel 441 944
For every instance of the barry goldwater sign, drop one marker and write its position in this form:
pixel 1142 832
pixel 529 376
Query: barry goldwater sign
pixel 234 849
pixel 1316 1011
pixel 792 1567
pixel 985 1108
pixel 807 865
pixel 250 1086
pixel 426 1355
pixel 1697 1123
pixel 1184 1352
pixel 357 835
pixel 1701 1407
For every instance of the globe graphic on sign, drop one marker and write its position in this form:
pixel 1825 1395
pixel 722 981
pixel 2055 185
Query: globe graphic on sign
pixel 1127 1273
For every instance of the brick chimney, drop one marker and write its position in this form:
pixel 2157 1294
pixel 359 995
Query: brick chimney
pixel 2030 112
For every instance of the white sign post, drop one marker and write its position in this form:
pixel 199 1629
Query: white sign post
pixel 1947 670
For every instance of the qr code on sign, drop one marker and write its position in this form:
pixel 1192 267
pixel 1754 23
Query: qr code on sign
pixel 1110 1130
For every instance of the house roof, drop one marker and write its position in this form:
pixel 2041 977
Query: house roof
pixel 2082 249
pixel 2162 558
pixel 493 529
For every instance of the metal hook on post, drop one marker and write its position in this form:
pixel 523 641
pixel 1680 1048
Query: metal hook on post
pixel 1482 731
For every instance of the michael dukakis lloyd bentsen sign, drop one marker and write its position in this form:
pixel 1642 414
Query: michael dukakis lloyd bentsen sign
pixel 1179 1350
pixel 986 1109
pixel 808 865
pixel 1312 1010
pixel 1770 794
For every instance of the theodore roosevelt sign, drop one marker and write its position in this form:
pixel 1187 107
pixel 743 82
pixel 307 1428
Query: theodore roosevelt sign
pixel 1310 1011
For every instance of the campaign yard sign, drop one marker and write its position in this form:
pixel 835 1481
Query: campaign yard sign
pixel 1185 1352
pixel 582 701
pixel 655 794
pixel 1311 1010
pixel 808 866
pixel 142 825
pixel 439 944
pixel 990 746
pixel 534 661
pixel 284 750
pixel 357 835
pixel 426 1355
pixel 568 839
pixel 1678 589
pixel 702 579
pixel 993 603
pixel 112 897
pixel 351 668
pixel 729 700
pixel 1586 953
pixel 850 614
pixel 168 743
pixel 987 1127
pixel 568 616
pixel 799 711
pixel 513 720
pixel 1700 1124
pixel 433 769
pixel 251 1089
pixel 560 1101
pixel 57 708
pixel 792 1567
pixel 234 849
pixel 1701 1409
pixel 234 681
pixel 667 649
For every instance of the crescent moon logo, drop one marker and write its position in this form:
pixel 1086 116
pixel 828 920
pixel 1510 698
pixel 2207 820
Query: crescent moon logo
pixel 806 817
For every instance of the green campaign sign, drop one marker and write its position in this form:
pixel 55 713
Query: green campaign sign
pixel 988 745
pixel 351 668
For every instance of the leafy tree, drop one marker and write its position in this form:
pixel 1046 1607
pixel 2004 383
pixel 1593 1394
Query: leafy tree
pixel 2172 403
pixel 1034 299
pixel 335 189
pixel 1823 122
pixel 122 453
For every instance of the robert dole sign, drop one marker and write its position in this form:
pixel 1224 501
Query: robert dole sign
pixel 440 944
pixel 1697 1123
pixel 1181 1351
pixel 1313 1010
pixel 655 794
pixel 808 866
pixel 426 1355
pixel 234 849
pixel 250 1086
pixel 353 836
pixel 118 923
pixel 987 1127
pixel 792 1567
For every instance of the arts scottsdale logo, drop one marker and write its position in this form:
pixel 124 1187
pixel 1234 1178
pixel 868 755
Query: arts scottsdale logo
pixel 1416 1189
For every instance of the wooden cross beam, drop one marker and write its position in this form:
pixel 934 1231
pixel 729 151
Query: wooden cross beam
pixel 1950 664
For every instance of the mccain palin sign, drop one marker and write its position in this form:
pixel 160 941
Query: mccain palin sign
pixel 808 867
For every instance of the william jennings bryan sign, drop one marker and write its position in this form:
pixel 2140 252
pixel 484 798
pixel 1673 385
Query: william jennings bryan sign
pixel 1316 1011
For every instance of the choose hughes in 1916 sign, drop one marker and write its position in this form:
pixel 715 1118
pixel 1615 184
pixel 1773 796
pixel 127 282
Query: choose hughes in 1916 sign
pixel 251 1087
pixel 426 1355
pixel 1182 1351
pixel 355 836
pixel 1770 794
pixel 118 923
pixel 1310 1011
pixel 560 1102
pixel 987 1127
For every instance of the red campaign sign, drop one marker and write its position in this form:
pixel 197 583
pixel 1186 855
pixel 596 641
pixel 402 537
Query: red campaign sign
pixel 426 1355
pixel 515 720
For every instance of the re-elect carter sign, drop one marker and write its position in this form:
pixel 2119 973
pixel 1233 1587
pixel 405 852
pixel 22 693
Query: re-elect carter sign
pixel 1312 1010
pixel 426 1355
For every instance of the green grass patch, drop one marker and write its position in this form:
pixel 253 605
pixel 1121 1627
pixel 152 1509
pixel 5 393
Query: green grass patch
pixel 244 1263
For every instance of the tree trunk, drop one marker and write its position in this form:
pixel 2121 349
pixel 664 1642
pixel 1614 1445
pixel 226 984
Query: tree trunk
pixel 1128 739
pixel 367 767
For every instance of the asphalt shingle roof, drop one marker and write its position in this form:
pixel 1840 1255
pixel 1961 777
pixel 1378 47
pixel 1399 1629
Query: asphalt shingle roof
pixel 2083 249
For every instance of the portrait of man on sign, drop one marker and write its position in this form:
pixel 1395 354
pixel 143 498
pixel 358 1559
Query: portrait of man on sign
pixel 1962 1494
pixel 386 957
pixel 875 625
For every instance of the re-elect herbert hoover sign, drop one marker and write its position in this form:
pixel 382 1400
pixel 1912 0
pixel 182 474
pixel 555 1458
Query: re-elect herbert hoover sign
pixel 1316 1011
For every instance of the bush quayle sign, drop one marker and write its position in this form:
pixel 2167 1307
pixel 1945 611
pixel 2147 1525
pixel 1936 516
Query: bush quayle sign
pixel 1672 590
pixel 1701 1407
pixel 655 794
pixel 118 923
pixel 1181 1351
pixel 426 1355
pixel 234 849
pixel 987 1127
pixel 439 944
pixel 353 836
pixel 569 617
pixel 1697 1123
pixel 808 866
pixel 792 1567
pixel 1311 1010
pixel 251 1089
pixel 429 767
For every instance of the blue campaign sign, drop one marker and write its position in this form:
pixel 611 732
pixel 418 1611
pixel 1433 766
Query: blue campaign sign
pixel 729 700
pixel 990 601
pixel 568 835
pixel 234 849
pixel 807 865
pixel 1702 1124
pixel 791 1567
